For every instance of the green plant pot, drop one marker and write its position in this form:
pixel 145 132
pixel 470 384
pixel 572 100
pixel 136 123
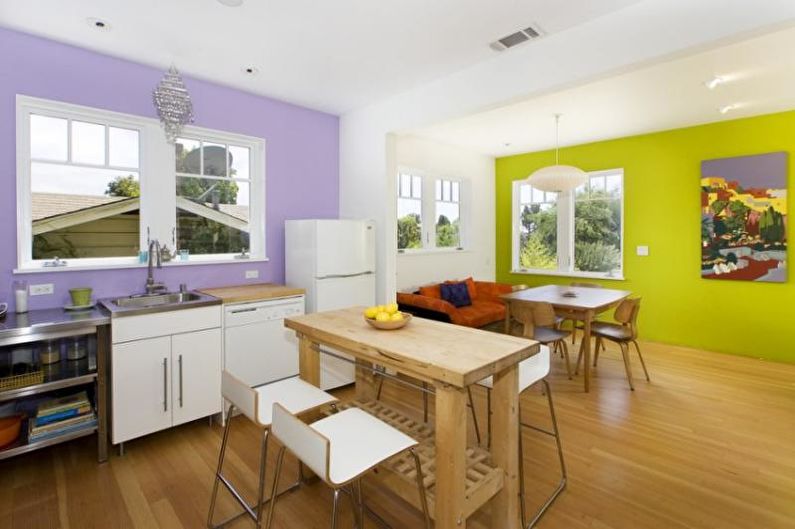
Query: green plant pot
pixel 80 296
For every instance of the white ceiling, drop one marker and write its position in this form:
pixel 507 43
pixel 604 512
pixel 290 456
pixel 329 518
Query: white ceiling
pixel 759 74
pixel 334 56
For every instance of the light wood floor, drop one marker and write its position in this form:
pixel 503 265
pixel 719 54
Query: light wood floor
pixel 709 443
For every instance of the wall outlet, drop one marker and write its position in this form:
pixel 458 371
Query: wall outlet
pixel 643 250
pixel 252 274
pixel 42 289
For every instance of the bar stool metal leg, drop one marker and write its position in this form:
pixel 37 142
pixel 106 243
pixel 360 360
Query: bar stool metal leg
pixel 562 483
pixel 421 487
pixel 335 509
pixel 474 415
pixel 262 464
pixel 275 486
pixel 221 456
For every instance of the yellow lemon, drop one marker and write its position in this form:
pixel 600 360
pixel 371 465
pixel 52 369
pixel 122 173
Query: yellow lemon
pixel 392 308
pixel 398 316
pixel 382 316
pixel 371 312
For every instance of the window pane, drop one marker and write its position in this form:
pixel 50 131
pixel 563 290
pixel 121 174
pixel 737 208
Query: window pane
pixel 123 149
pixel 239 162
pixel 409 213
pixel 613 184
pixel 188 154
pixel 78 212
pixel 597 186
pixel 212 215
pixel 215 159
pixel 597 235
pixel 438 189
pixel 446 190
pixel 88 143
pixel 538 195
pixel 405 185
pixel 48 138
pixel 538 237
pixel 455 191
pixel 525 194
pixel 416 187
pixel 447 225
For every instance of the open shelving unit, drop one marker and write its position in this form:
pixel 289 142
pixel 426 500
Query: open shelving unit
pixel 88 373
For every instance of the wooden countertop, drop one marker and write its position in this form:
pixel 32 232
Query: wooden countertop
pixel 428 350
pixel 253 292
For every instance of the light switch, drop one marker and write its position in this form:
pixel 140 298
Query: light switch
pixel 643 250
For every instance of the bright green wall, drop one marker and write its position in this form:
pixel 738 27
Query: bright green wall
pixel 662 210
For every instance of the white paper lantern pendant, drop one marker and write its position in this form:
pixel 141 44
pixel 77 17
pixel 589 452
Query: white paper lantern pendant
pixel 557 178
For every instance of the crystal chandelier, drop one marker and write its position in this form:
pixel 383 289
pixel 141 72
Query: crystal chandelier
pixel 173 104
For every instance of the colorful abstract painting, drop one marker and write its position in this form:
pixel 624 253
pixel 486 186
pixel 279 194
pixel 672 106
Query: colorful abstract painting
pixel 744 218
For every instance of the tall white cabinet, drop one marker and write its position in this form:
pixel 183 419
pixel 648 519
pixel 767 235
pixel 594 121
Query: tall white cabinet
pixel 165 370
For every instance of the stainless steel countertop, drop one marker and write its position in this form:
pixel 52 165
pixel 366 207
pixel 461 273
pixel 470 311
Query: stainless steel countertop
pixel 203 300
pixel 17 328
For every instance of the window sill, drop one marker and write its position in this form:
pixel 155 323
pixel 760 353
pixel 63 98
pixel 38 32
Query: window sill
pixel 557 273
pixel 433 251
pixel 77 268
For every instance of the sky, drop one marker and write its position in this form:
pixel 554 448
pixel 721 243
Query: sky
pixel 768 171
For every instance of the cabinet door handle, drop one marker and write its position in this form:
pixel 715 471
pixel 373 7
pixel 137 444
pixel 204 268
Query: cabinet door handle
pixel 180 381
pixel 165 384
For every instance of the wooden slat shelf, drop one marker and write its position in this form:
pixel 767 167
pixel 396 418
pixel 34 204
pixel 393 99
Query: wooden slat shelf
pixel 483 479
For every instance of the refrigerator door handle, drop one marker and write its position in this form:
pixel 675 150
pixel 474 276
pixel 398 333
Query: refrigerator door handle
pixel 340 276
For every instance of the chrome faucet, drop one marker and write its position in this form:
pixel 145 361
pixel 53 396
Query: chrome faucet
pixel 151 286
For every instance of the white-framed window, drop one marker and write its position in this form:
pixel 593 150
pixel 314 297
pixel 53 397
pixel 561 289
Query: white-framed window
pixel 430 212
pixel 576 233
pixel 95 186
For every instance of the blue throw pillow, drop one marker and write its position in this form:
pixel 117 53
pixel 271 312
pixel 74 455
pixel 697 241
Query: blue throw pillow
pixel 456 293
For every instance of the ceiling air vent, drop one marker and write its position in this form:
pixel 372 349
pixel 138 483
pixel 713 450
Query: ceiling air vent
pixel 514 39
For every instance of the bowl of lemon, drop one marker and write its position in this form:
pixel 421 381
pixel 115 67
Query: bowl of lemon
pixel 386 317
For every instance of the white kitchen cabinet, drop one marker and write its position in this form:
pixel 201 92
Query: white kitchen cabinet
pixel 141 381
pixel 161 381
pixel 196 375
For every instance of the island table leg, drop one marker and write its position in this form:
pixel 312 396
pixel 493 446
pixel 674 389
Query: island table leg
pixel 451 443
pixel 505 447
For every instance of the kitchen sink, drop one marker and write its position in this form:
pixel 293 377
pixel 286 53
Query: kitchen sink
pixel 156 300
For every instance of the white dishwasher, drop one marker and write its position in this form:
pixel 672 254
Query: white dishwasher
pixel 258 348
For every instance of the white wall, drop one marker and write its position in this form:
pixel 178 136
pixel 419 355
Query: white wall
pixel 476 173
pixel 609 44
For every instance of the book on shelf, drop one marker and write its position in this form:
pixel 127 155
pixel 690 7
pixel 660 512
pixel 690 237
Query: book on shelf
pixel 57 409
pixel 90 423
pixel 49 427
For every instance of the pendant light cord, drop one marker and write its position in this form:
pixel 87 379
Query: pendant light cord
pixel 557 141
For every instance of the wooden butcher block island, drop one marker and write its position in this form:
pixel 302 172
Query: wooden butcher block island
pixel 459 479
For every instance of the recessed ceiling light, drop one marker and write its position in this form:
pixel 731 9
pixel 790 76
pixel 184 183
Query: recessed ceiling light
pixel 250 70
pixel 715 82
pixel 725 109
pixel 231 3
pixel 98 23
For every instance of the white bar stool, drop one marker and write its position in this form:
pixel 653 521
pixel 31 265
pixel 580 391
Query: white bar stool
pixel 257 404
pixel 532 370
pixel 340 449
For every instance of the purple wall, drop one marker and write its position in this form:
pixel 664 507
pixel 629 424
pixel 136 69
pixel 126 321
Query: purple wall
pixel 302 155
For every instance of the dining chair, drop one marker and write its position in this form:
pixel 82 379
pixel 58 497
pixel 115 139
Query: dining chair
pixel 257 404
pixel 575 325
pixel 531 371
pixel 340 449
pixel 624 333
pixel 540 323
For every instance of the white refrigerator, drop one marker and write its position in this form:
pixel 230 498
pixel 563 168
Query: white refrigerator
pixel 334 260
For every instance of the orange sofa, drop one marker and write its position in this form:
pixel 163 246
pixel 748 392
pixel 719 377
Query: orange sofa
pixel 486 306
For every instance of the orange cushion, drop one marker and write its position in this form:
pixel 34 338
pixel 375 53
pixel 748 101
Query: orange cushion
pixel 431 291
pixel 479 314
